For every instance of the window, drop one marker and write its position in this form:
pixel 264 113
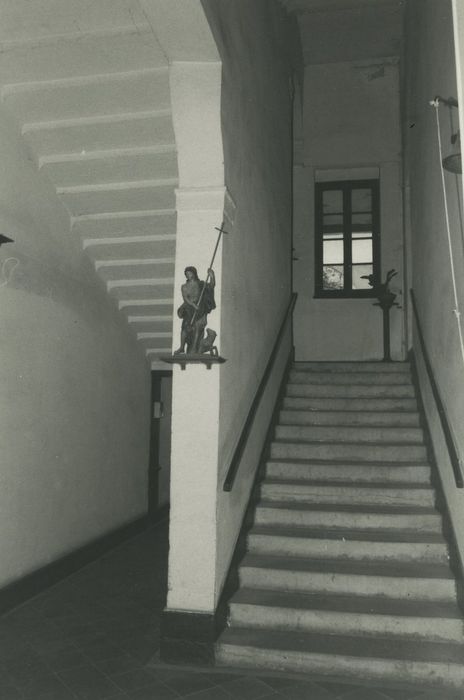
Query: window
pixel 347 237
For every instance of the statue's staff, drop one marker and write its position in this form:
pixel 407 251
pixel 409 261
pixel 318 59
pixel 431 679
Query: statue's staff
pixel 221 231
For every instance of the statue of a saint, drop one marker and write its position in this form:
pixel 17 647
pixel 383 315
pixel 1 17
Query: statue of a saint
pixel 198 299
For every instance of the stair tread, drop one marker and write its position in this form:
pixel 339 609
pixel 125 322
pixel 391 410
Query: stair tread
pixel 355 428
pixel 355 385
pixel 348 508
pixel 345 462
pixel 346 365
pixel 351 534
pixel 387 411
pixel 339 443
pixel 388 486
pixel 347 603
pixel 311 420
pixel 394 569
pixel 346 645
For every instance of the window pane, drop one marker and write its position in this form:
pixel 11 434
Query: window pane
pixel 332 202
pixel 357 271
pixel 333 219
pixel 361 250
pixel 332 277
pixel 333 252
pixel 360 218
pixel 361 201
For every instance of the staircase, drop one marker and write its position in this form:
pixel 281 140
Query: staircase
pixel 88 87
pixel 346 573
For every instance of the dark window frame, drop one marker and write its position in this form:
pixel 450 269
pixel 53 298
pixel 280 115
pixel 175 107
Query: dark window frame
pixel 347 186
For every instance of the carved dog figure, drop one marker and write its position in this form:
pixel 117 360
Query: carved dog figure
pixel 207 343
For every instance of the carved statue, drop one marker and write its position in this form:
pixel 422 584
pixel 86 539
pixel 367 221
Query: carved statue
pixel 198 302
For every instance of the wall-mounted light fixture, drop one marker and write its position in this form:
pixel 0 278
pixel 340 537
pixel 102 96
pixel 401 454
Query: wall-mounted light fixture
pixel 453 162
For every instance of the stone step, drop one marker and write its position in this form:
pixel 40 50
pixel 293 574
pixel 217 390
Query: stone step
pixel 387 580
pixel 342 517
pixel 286 449
pixel 298 376
pixel 126 130
pixel 366 404
pixel 109 227
pixel 131 247
pixel 354 367
pixel 349 434
pixel 353 494
pixel 124 165
pixel 350 615
pixel 346 391
pixel 89 96
pixel 354 534
pixel 111 198
pixel 76 52
pixel 300 542
pixel 345 657
pixel 348 472
pixel 362 418
pixel 156 268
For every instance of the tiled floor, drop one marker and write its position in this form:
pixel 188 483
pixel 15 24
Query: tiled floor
pixel 95 637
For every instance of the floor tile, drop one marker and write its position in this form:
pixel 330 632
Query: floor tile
pixel 25 670
pixel 400 694
pixel 337 689
pixel 185 683
pixel 118 664
pixel 363 694
pixel 48 688
pixel 10 692
pixel 277 682
pixel 306 691
pixel 438 695
pixel 246 688
pixel 220 678
pixel 61 656
pixel 155 691
pixel 133 680
pixel 216 693
pixel 88 683
pixel 99 649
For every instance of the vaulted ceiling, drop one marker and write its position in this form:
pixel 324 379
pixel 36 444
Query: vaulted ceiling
pixel 327 5
pixel 344 30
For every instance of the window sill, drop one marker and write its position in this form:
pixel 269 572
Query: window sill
pixel 344 295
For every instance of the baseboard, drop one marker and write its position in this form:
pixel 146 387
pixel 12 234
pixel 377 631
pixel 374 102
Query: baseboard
pixel 187 638
pixel 32 584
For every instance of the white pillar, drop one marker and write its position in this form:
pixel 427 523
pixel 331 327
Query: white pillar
pixel 196 96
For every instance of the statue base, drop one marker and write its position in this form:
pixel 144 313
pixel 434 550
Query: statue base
pixel 184 359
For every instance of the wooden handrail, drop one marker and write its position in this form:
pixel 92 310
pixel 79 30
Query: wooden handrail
pixel 244 435
pixel 445 424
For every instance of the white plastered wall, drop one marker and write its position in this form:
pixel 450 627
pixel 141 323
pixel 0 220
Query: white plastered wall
pixel 431 69
pixel 74 400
